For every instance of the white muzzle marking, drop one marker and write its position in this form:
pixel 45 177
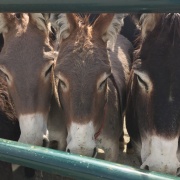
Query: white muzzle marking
pixel 33 128
pixel 80 139
pixel 160 154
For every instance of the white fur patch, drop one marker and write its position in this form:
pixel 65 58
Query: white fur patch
pixel 80 138
pixel 33 128
pixel 145 148
pixel 113 30
pixel 160 154
pixel 61 25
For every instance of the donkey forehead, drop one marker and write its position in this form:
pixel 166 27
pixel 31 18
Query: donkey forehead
pixel 83 60
pixel 82 70
pixel 32 38
pixel 27 59
pixel 25 51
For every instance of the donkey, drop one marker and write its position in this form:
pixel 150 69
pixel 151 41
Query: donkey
pixel 26 61
pixel 9 126
pixel 90 76
pixel 152 114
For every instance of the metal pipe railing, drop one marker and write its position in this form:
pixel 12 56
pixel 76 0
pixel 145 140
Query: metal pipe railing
pixel 90 6
pixel 70 165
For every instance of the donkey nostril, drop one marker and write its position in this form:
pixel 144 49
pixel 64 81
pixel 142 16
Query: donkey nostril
pixel 178 171
pixel 94 152
pixel 146 167
pixel 68 151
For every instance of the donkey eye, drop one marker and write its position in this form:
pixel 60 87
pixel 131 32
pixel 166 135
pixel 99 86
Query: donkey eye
pixel 48 71
pixel 142 83
pixel 6 77
pixel 102 85
pixel 62 84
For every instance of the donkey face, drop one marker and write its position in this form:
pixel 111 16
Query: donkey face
pixel 156 92
pixel 83 95
pixel 82 72
pixel 26 60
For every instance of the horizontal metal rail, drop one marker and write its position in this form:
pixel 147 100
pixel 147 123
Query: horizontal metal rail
pixel 90 6
pixel 75 166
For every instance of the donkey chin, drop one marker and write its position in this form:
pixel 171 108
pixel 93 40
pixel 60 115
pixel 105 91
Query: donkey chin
pixel 162 156
pixel 81 139
pixel 33 128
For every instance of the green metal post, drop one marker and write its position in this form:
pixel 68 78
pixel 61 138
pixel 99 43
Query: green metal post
pixel 75 166
pixel 90 6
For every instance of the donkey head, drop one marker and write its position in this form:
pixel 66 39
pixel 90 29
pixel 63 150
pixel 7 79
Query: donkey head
pixel 82 73
pixel 26 60
pixel 155 91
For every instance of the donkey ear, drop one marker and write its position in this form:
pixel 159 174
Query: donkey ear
pixel 51 55
pixel 3 23
pixel 9 20
pixel 41 21
pixel 148 22
pixel 108 27
pixel 64 24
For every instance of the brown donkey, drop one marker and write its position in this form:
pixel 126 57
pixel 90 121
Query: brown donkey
pixel 9 126
pixel 26 60
pixel 91 82
pixel 153 109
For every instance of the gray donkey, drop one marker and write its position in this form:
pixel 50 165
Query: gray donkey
pixel 91 74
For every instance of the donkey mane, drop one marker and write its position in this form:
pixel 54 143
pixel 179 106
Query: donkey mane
pixel 113 30
pixel 169 22
pixel 6 106
pixel 41 21
pixel 61 24
pixel 155 25
pixel 3 24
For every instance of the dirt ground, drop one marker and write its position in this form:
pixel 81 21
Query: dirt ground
pixel 124 158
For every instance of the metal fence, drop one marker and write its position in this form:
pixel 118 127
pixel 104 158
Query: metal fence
pixel 70 165
pixel 90 6
pixel 60 162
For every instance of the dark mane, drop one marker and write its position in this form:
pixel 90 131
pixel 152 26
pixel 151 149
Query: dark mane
pixel 6 107
pixel 171 21
pixel 84 19
pixel 167 24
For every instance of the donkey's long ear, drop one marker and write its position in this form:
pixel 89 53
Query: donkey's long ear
pixel 3 23
pixel 10 20
pixel 41 21
pixel 108 27
pixel 64 24
pixel 148 22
